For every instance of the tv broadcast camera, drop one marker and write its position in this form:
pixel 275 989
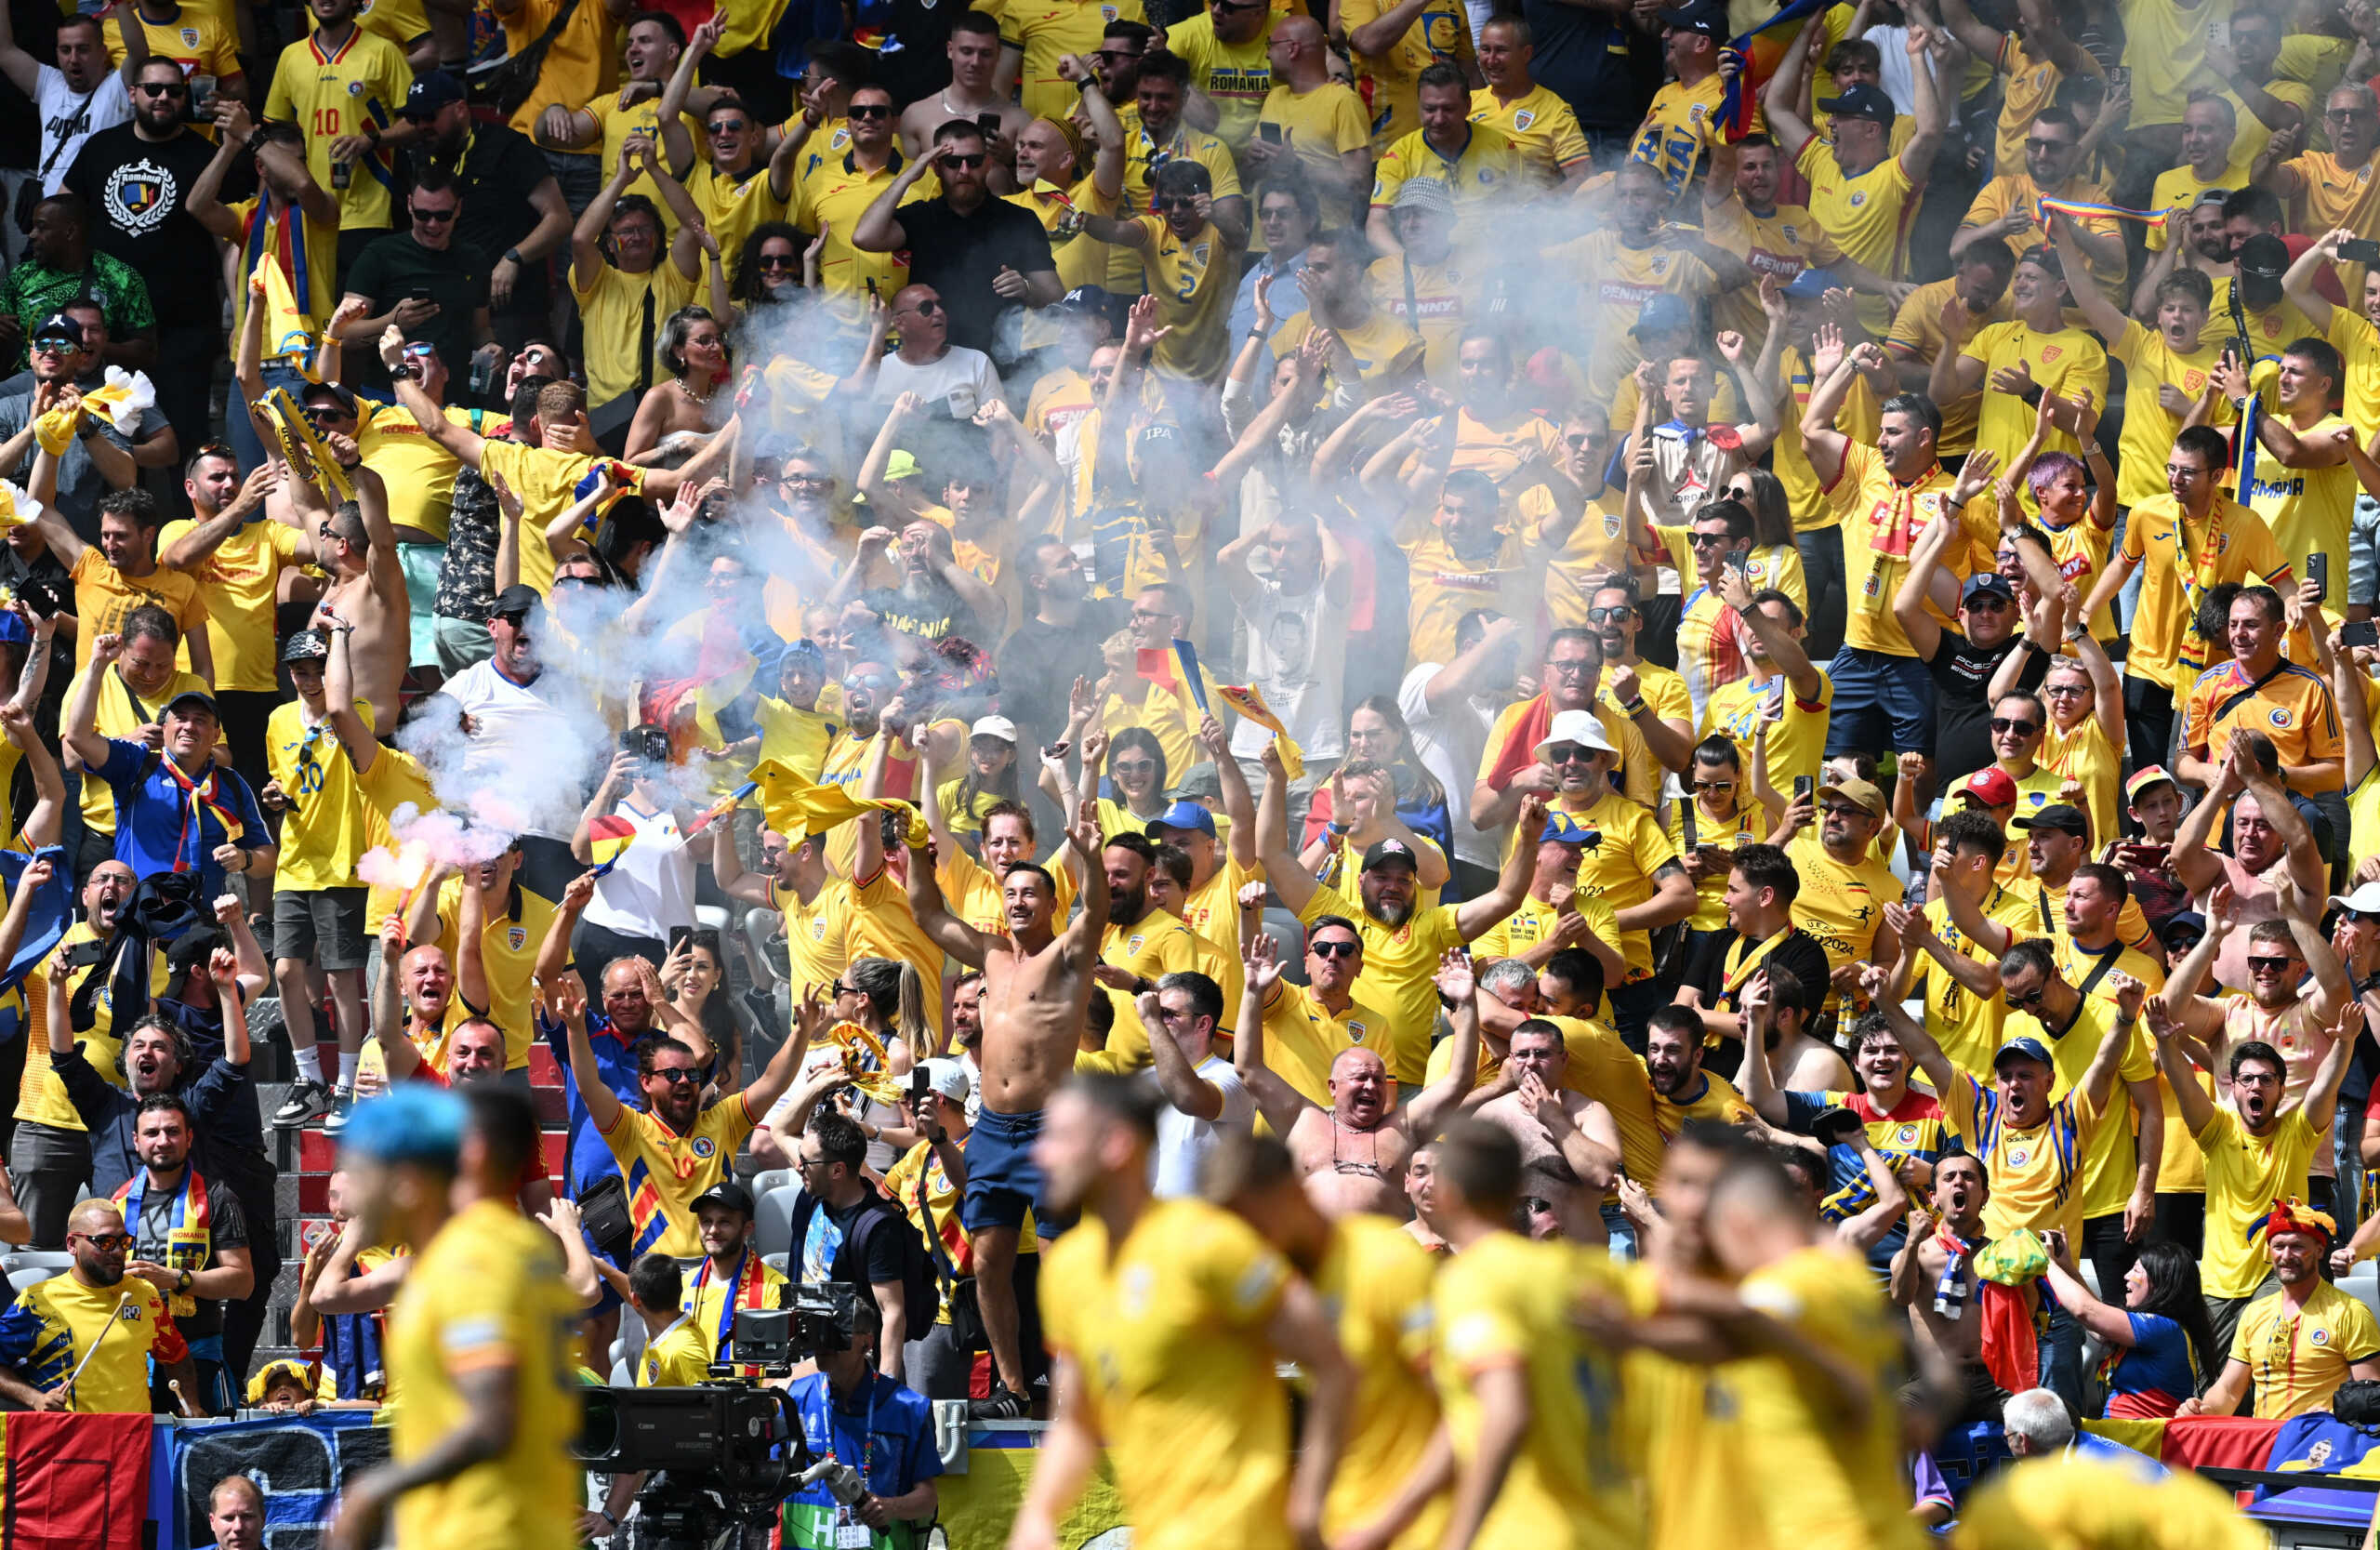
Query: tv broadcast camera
pixel 721 1458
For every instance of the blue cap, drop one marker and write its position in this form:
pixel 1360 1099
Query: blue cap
pixel 1181 815
pixel 431 91
pixel 412 1123
pixel 12 628
pixel 2025 1045
pixel 1987 582
pixel 1563 829
pixel 1811 284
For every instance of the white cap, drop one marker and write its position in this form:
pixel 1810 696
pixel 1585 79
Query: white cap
pixel 1575 726
pixel 2364 901
pixel 994 726
pixel 948 1077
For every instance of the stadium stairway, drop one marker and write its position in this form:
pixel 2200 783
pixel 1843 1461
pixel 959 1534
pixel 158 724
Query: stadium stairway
pixel 306 1157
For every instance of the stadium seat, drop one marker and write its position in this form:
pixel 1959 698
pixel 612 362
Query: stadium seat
pixel 1289 936
pixel 776 1219
pixel 20 1263
pixel 773 1178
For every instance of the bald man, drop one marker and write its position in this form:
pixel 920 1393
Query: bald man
pixel 1353 1154
pixel 47 1331
pixel 1322 124
pixel 236 1514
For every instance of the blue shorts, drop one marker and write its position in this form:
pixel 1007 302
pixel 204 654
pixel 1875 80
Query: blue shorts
pixel 1001 1178
pixel 1876 695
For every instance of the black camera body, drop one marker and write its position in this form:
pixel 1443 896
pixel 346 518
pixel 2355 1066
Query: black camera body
pixel 648 745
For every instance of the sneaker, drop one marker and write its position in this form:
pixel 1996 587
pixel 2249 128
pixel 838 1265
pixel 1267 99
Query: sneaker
pixel 1001 1405
pixel 342 1103
pixel 308 1099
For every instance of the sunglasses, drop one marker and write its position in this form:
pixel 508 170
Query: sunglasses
pixel 105 1240
pixel 1706 540
pixel 436 217
pixel 1609 615
pixel 1569 753
pixel 961 159
pixel 778 260
pixel 325 416
pixel 1334 949
pixel 1179 202
pixel 1714 785
pixel 1131 767
pixel 726 126
pixel 2269 966
pixel 2003 726
pixel 868 110
pixel 1841 810
pixel 56 345
pixel 2021 1000
pixel 164 88
pixel 1992 602
pixel 2045 145
pixel 925 306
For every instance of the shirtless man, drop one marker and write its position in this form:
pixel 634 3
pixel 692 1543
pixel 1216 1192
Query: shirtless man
pixel 1036 990
pixel 1796 1061
pixel 2266 832
pixel 356 543
pixel 1422 1189
pixel 1950 1327
pixel 1569 1143
pixel 1353 1154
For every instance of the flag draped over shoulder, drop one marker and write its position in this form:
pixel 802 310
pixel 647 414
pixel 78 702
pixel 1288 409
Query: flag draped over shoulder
pixel 1518 750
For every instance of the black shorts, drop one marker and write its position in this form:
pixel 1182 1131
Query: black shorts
pixel 324 926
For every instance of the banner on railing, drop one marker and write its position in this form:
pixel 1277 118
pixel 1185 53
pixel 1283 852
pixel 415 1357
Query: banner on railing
pixel 300 1462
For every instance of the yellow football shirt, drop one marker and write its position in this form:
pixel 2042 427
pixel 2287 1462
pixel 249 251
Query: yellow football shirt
pixel 1166 1332
pixel 677 1358
pixel 1389 81
pixel 1540 126
pixel 323 831
pixel 665 1171
pixel 1970 1028
pixel 2309 511
pixel 487 1292
pixel 1194 280
pixel 2245 1173
pixel 882 926
pixel 46 1334
pixel 2174 547
pixel 1302 1038
pixel 240 582
pixel 2036 1174
pixel 546 482
pixel 2107 1161
pixel 643 117
pixel 1796 745
pixel 509 954
pixel 1152 946
pixel 1841 904
pixel 1505 1303
pixel 1400 966
pixel 2298 1356
pixel 331 92
pixel 1376 1280
pixel 1044 31
pixel 1866 215
pixel 1236 76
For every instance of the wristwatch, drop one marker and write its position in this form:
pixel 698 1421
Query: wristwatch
pixel 513 256
pixel 184 1284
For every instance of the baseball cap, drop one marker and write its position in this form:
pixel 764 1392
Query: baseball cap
pixel 12 629
pixel 1861 101
pixel 994 726
pixel 2263 255
pixel 307 645
pixel 1992 786
pixel 1391 853
pixel 2144 777
pixel 1200 782
pixel 1424 193
pixel 727 1193
pixel 195 697
pixel 2063 816
pixel 1862 793
pixel 1987 582
pixel 902 465
pixel 1181 815
pixel 1092 300
pixel 57 325
pixel 2364 901
pixel 517 601
pixel 1575 726
pixel 1811 284
pixel 1563 829
pixel 2026 1046
pixel 2189 921
pixel 342 396
pixel 1662 314
pixel 948 1077
pixel 430 93
pixel 1706 17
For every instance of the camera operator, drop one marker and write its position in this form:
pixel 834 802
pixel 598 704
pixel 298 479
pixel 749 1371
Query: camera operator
pixel 676 1356
pixel 872 1423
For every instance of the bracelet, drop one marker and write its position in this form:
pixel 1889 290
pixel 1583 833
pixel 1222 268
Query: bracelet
pixel 1632 708
pixel 2036 647
pixel 1335 827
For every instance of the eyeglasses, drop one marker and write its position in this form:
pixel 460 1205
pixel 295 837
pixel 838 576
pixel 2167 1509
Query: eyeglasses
pixel 2346 115
pixel 822 480
pixel 673 1075
pixel 1334 949
pixel 436 217
pixel 1571 667
pixel 104 1240
pixel 868 110
pixel 2269 966
pixel 806 1163
pixel 1144 616
pixel 164 88
pixel 2003 726
pixel 2065 691
pixel 777 260
pixel 961 159
pixel 1569 753
pixel 1610 615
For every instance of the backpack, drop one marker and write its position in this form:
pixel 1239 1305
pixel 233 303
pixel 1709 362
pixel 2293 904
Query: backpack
pixel 921 1288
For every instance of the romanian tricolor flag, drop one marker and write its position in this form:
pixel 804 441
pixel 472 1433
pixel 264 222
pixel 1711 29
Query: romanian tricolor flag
pixel 1248 701
pixel 722 807
pixel 796 805
pixel 607 838
pixel 1174 668
pixel 1762 50
pixel 1518 750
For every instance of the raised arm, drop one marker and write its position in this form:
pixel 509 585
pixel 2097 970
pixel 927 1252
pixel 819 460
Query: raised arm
pixel 1278 1102
pixel 1473 916
pixel 1293 882
pixel 1459 993
pixel 569 999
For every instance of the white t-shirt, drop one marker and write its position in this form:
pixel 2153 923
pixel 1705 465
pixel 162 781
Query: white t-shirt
pixel 1297 658
pixel 1450 743
pixel 515 768
pixel 650 885
pixel 962 371
pixel 68 118
pixel 1183 1143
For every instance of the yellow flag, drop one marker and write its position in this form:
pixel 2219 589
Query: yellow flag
pixel 795 804
pixel 288 328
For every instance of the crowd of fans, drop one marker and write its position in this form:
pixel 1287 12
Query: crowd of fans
pixel 1206 668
